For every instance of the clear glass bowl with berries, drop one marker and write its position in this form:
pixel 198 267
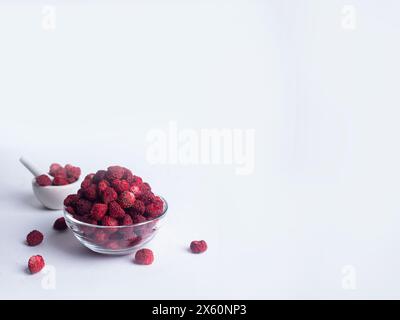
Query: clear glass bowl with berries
pixel 114 212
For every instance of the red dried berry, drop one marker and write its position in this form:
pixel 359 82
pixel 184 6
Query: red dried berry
pixel 138 219
pixel 90 192
pixel 70 210
pixel 90 176
pixel 98 211
pixel 116 236
pixel 120 185
pixel 100 175
pixel 35 264
pixel 135 240
pixel 100 237
pixel 72 179
pixel 144 256
pixel 126 199
pixel 128 175
pixel 62 173
pixel 127 220
pixel 83 207
pixel 113 245
pixel 114 172
pixel 34 238
pixel 71 200
pixel 137 208
pixel 154 210
pixel 109 195
pixel 80 193
pixel 109 221
pixel 86 183
pixel 145 186
pixel 103 185
pixel 147 197
pixel 60 224
pixel 60 181
pixel 87 230
pixel 88 219
pixel 198 246
pixel 43 180
pixel 72 171
pixel 137 191
pixel 158 202
pixel 137 180
pixel 115 210
pixel 128 232
pixel 54 167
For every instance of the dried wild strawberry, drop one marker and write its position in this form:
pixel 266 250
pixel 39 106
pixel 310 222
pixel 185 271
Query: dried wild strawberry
pixel 126 199
pixel 79 193
pixel 115 210
pixel 137 191
pixel 198 246
pixel 72 171
pixel 54 167
pixel 70 210
pixel 153 210
pixel 137 208
pixel 86 183
pixel 114 172
pixel 99 175
pixel 90 192
pixel 138 219
pixel 135 240
pixel 43 180
pixel 103 185
pixel 147 197
pixel 127 220
pixel 120 185
pixel 72 179
pixel 109 195
pixel 83 207
pixel 35 264
pixel 98 211
pixel 116 236
pixel 100 237
pixel 60 224
pixel 137 180
pixel 60 181
pixel 61 173
pixel 113 245
pixel 109 221
pixel 144 256
pixel 34 238
pixel 128 176
pixel 71 200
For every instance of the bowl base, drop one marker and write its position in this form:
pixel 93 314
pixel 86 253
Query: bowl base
pixel 119 252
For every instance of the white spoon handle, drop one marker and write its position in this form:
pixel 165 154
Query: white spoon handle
pixel 30 166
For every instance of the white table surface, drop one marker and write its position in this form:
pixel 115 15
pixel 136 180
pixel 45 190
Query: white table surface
pixel 318 217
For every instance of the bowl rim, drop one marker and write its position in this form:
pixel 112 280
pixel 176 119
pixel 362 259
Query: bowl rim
pixel 65 186
pixel 69 217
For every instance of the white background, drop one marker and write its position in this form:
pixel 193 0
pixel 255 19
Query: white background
pixel 323 99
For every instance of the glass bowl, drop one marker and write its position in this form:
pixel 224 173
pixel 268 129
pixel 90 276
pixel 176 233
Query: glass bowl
pixel 118 240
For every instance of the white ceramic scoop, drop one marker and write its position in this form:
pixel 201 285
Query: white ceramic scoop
pixel 52 197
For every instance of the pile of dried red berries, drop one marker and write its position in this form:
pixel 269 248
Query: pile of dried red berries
pixel 60 175
pixel 114 197
pixel 111 198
